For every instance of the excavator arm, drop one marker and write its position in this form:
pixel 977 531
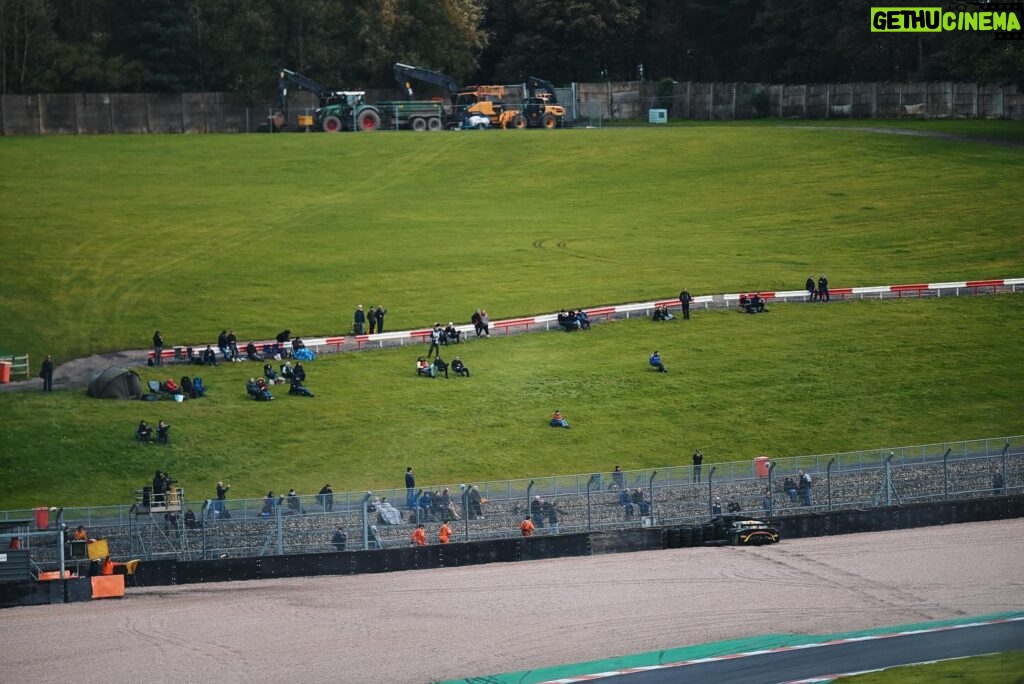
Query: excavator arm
pixel 405 74
pixel 286 76
pixel 535 86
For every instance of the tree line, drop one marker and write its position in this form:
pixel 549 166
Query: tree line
pixel 235 45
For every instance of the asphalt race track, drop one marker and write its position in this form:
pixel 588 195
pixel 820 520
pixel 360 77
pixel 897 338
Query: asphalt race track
pixel 859 656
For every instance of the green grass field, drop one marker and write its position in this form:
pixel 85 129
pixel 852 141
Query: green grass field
pixel 107 238
pixel 1001 668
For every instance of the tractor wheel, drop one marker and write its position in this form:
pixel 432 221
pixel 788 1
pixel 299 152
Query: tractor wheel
pixel 519 121
pixel 331 124
pixel 368 120
pixel 434 123
pixel 548 121
pixel 418 124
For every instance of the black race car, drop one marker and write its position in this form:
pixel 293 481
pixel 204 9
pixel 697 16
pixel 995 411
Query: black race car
pixel 751 533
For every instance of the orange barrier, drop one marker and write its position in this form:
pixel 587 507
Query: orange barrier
pixel 54 575
pixel 107 586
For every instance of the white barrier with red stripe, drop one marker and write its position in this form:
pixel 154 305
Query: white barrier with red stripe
pixel 546 321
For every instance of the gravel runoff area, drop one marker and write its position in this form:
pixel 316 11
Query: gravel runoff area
pixel 428 625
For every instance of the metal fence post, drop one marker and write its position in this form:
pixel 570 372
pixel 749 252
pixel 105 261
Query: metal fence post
pixel 529 490
pixel 465 508
pixel 828 481
pixel 887 482
pixel 945 473
pixel 280 529
pixel 771 489
pixel 650 490
pixel 366 522
pixel 590 483
pixel 1006 473
pixel 711 501
pixel 60 553
pixel 206 521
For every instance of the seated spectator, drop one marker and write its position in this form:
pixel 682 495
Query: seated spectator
pixel 447 505
pixel 440 366
pixel 583 319
pixel 424 502
pixel 424 367
pixel 567 321
pixel 339 539
pixel 661 313
pixel 257 389
pixel 716 508
pixel 655 362
pixel 286 370
pixel 144 433
pixel 191 522
pixel 744 301
pixel 299 373
pixel 268 372
pixel 295 503
pixel 789 486
pixel 459 368
pixel 733 506
pixel 298 344
pixel 558 421
pixel 163 431
pixel 626 502
pixel 296 388
pixel 389 515
pixel 641 502
pixel 209 357
pixel 250 351
pixel 757 305
pixel 452 335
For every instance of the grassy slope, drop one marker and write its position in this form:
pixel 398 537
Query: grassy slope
pixel 107 238
pixel 801 379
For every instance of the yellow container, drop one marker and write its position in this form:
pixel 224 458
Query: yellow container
pixel 305 120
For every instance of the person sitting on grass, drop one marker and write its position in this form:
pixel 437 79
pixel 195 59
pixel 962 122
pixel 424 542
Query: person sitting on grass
pixel 582 319
pixel 297 389
pixel 656 363
pixel 250 351
pixel 209 356
pixel 424 368
pixel 144 433
pixel 268 372
pixel 459 368
pixel 557 420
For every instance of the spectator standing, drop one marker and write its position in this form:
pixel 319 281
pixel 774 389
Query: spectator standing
pixel 222 497
pixel 358 320
pixel 295 503
pixel 526 527
pixel 163 433
pixel 339 539
pixel 325 497
pixel 483 324
pixel 222 344
pixel 158 348
pixel 537 511
pixel 618 478
pixel 716 508
pixel 656 363
pixel 410 488
pixel 475 503
pixel 378 315
pixel 823 289
pixel 46 373
pixel 371 319
pixel 444 533
pixel 684 301
pixel 233 345
pixel 419 536
pixel 809 286
pixel 551 510
pixel 436 333
pixel 998 483
pixel 698 460
pixel 803 485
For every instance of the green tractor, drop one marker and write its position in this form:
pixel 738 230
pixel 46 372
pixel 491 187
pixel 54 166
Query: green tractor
pixel 337 110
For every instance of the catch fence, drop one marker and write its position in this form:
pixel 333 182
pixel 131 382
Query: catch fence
pixel 561 504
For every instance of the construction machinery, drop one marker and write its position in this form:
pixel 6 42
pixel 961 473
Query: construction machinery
pixel 540 110
pixel 336 110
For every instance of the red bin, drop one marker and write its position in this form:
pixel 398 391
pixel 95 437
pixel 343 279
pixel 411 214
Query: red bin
pixel 42 518
pixel 5 372
pixel 761 464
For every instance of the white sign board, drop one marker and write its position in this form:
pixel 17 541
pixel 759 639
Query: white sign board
pixel 657 116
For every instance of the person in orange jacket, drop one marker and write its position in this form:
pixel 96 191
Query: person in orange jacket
pixel 444 535
pixel 419 536
pixel 526 527
pixel 108 567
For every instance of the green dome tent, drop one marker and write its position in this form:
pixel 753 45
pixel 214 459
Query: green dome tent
pixel 115 383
